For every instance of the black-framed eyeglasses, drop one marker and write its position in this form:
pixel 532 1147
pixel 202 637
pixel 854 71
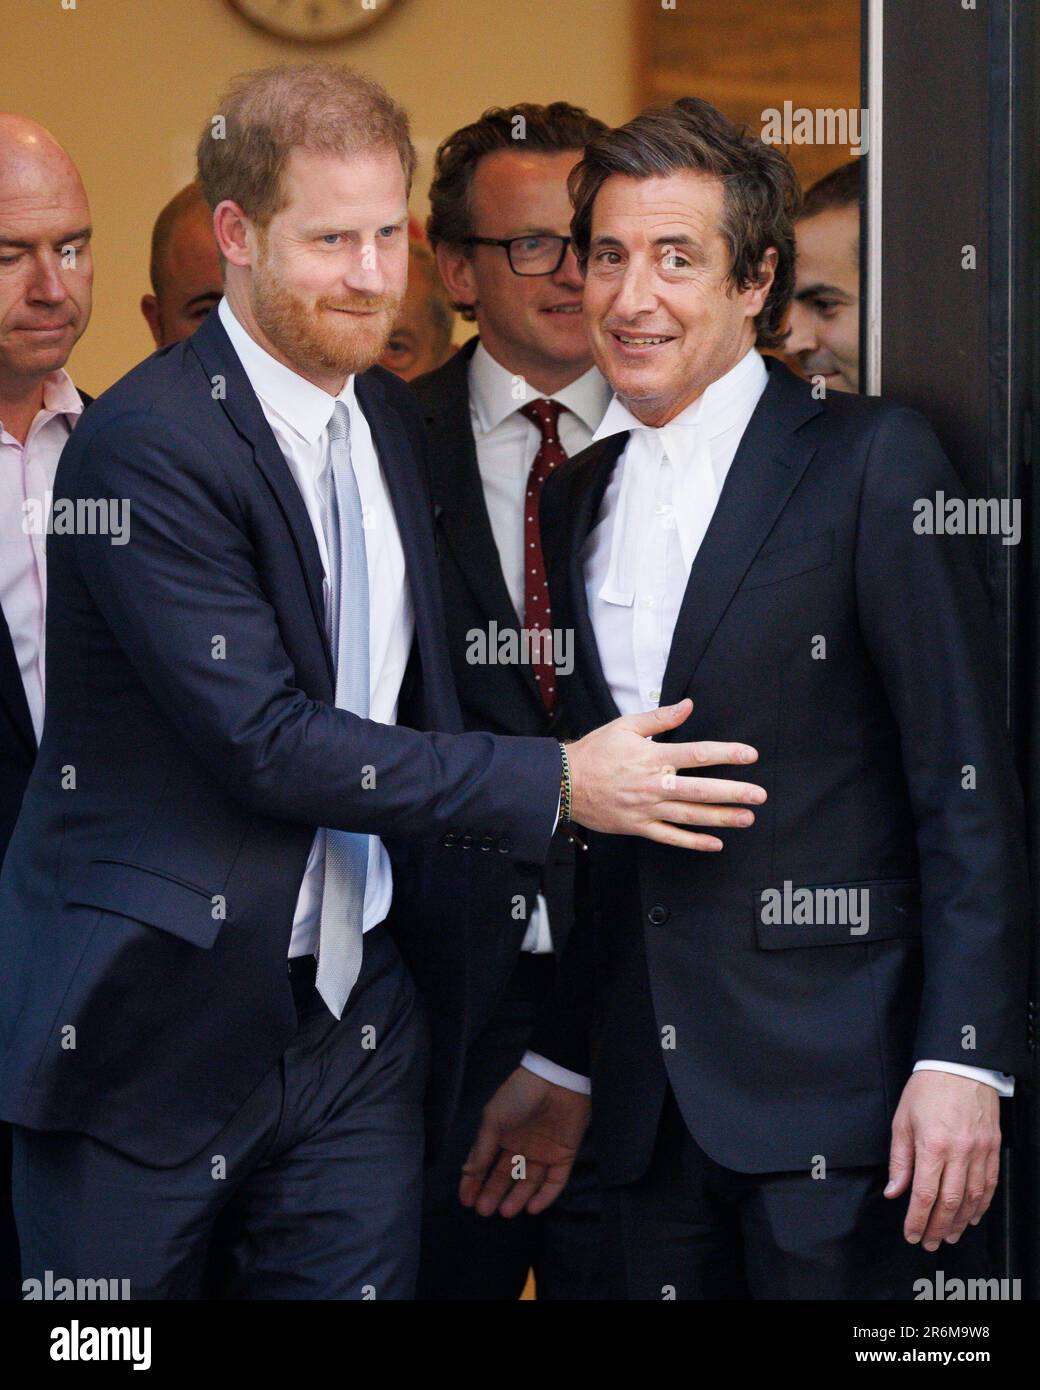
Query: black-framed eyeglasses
pixel 528 255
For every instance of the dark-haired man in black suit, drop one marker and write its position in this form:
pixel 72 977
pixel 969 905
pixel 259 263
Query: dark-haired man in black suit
pixel 501 415
pixel 787 1038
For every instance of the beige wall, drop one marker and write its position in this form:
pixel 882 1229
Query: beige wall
pixel 126 86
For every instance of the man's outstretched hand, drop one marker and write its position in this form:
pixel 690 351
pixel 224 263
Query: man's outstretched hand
pixel 526 1146
pixel 625 784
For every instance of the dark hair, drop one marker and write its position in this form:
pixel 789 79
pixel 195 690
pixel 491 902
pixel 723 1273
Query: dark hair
pixel 838 189
pixel 545 129
pixel 760 190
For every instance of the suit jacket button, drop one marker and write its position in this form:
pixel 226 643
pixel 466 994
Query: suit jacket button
pixel 505 845
pixel 466 842
pixel 449 839
pixel 658 914
pixel 488 842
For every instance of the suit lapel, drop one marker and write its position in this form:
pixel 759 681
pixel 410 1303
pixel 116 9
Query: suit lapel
pixel 213 348
pixel 766 469
pixel 594 474
pixel 13 704
pixel 464 517
pixel 411 512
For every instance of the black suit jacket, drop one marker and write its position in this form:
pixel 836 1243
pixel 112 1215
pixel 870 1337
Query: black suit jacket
pixel 190 749
pixel 794 1040
pixel 17 736
pixel 501 698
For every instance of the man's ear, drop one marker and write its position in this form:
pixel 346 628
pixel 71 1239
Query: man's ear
pixel 150 309
pixel 456 269
pixel 231 228
pixel 759 293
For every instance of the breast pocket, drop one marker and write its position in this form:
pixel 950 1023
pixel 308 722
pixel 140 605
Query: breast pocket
pixel 786 561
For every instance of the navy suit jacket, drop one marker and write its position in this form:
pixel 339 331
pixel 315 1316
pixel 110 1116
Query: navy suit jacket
pixel 857 656
pixel 17 737
pixel 191 747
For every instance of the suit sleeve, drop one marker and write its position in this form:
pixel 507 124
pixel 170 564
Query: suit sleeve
pixel 926 620
pixel 187 577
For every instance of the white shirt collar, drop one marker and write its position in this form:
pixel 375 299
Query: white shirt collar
pixel 304 407
pixel 492 393
pixel 719 407
pixel 686 442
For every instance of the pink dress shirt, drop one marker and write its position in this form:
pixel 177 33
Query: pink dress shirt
pixel 27 477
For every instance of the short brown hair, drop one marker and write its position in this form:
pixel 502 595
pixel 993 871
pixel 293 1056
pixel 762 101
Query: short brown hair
pixel 550 129
pixel 760 190
pixel 265 115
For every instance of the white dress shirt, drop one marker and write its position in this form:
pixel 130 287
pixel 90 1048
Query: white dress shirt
pixel 299 413
pixel 27 476
pixel 637 559
pixel 656 509
pixel 507 444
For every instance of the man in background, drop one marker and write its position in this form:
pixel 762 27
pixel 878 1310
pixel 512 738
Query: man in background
pixel 184 269
pixel 46 274
pixel 421 335
pixel 824 322
pixel 510 406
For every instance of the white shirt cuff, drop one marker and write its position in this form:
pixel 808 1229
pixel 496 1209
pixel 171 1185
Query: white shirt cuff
pixel 1002 1084
pixel 538 938
pixel 559 1076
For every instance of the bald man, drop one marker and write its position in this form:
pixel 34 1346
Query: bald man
pixel 421 338
pixel 46 275
pixel 184 270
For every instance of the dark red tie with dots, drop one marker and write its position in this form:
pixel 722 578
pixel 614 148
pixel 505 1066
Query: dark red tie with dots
pixel 537 614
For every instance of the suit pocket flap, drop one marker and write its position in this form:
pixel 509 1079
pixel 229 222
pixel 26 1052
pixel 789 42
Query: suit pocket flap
pixel 146 895
pixel 836 914
pixel 790 560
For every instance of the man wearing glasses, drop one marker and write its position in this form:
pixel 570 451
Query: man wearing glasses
pixel 502 414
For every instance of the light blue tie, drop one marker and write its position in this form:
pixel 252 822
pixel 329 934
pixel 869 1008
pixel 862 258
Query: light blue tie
pixel 340 946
